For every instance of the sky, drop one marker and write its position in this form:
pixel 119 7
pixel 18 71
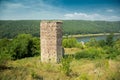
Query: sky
pixel 107 10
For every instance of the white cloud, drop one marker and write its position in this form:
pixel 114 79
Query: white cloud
pixel 39 10
pixel 109 10
pixel 15 5
pixel 95 16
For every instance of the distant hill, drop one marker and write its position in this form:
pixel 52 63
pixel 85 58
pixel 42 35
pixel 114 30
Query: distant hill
pixel 11 28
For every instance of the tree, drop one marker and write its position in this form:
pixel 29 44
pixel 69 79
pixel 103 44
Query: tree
pixel 22 46
pixel 36 45
pixel 69 42
pixel 4 53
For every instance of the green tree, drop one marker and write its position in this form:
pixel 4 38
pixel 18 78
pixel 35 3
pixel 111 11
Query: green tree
pixel 22 46
pixel 4 53
pixel 36 46
pixel 69 42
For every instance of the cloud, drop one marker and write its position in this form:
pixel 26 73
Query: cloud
pixel 109 10
pixel 41 9
pixel 15 5
pixel 95 16
pixel 38 10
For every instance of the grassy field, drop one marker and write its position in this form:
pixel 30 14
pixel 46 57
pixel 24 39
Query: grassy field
pixel 83 69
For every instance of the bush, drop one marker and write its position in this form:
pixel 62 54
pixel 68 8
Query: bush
pixel 111 52
pixel 80 45
pixel 65 65
pixel 36 46
pixel 109 39
pixel 4 58
pixel 24 45
pixel 90 53
pixel 4 53
pixel 69 42
pixel 102 43
pixel 92 43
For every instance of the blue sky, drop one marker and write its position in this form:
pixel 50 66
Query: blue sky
pixel 108 10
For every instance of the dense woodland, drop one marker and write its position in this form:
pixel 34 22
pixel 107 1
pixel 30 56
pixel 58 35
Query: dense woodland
pixel 11 28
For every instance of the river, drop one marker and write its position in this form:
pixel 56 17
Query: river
pixel 86 39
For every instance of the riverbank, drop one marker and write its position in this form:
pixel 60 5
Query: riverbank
pixel 90 35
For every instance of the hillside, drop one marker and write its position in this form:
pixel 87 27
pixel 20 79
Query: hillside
pixel 11 28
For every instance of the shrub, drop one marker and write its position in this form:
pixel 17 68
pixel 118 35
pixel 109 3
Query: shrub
pixel 36 46
pixel 4 58
pixel 80 45
pixel 109 39
pixel 112 52
pixel 4 53
pixel 92 43
pixel 65 65
pixel 102 43
pixel 69 42
pixel 24 46
pixel 90 53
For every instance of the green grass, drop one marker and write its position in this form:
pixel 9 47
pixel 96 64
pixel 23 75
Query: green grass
pixel 82 69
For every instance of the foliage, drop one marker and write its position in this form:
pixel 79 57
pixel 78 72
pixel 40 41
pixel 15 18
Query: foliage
pixel 69 42
pixel 80 45
pixel 101 43
pixel 36 45
pixel 117 45
pixel 92 43
pixel 111 52
pixel 4 58
pixel 10 29
pixel 24 46
pixel 65 65
pixel 90 53
pixel 4 53
pixel 109 40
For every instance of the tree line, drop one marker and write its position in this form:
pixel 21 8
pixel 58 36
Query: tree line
pixel 11 28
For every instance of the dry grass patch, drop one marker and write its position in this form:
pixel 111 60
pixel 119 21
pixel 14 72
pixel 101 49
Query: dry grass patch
pixel 71 50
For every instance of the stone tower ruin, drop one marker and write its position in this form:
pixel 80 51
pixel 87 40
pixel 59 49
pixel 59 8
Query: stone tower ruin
pixel 51 41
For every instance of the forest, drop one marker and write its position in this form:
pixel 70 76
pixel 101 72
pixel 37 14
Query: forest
pixel 11 28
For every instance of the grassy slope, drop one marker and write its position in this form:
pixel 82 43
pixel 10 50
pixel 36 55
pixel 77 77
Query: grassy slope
pixel 83 69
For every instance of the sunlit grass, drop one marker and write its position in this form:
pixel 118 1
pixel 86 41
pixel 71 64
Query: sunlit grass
pixel 82 69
